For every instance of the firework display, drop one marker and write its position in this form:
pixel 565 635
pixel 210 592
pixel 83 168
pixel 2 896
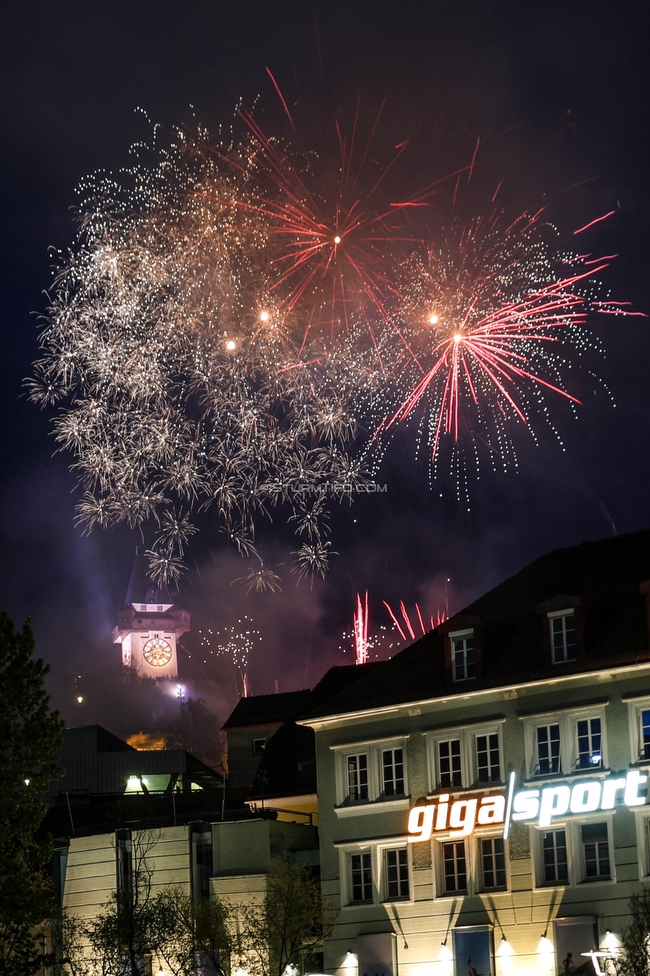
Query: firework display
pixel 238 331
pixel 237 644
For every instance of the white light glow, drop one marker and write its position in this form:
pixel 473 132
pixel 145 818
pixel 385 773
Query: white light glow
pixel 231 345
pixel 264 316
pixel 433 319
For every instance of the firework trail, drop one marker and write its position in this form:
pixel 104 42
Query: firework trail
pixel 361 630
pixel 406 629
pixel 381 643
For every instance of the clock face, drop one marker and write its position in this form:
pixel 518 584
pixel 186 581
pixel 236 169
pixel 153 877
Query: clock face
pixel 157 652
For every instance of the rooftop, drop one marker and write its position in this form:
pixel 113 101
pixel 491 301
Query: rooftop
pixel 605 576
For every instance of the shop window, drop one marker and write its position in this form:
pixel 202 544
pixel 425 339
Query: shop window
pixel 396 874
pixel 473 950
pixel 574 938
pixel 493 863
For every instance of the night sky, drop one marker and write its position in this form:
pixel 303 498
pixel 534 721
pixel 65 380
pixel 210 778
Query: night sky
pixel 557 91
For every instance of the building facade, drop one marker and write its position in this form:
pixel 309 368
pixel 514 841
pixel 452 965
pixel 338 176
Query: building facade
pixel 483 796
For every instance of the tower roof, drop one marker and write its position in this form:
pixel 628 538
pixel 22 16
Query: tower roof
pixel 141 588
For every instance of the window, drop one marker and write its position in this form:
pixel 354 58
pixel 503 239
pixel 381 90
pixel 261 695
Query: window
pixel 357 767
pixel 449 767
pixel 370 773
pixel 639 715
pixel 589 743
pixel 643 843
pixel 548 749
pixel 554 857
pixel 563 636
pixel 393 772
pixel 465 757
pixel 562 742
pixel 488 767
pixel 454 867
pixel 595 851
pixel 361 877
pixel 470 865
pixel 493 862
pixel 375 873
pixel 463 661
pixel 644 717
pixel 574 852
pixel 259 745
pixel 396 872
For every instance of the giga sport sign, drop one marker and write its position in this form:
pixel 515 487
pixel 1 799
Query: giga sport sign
pixel 540 806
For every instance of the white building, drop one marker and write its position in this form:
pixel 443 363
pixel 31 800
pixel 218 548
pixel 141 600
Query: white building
pixel 483 796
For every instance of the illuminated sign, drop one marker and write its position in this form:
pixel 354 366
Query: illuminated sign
pixel 460 817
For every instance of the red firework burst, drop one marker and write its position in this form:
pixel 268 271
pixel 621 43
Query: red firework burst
pixel 498 304
pixel 332 231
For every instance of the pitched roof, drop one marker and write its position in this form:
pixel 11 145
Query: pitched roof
pixel 288 764
pixel 605 575
pixel 266 709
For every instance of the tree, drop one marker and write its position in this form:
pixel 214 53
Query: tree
pixel 124 933
pixel 292 921
pixel 202 937
pixel 635 940
pixel 30 736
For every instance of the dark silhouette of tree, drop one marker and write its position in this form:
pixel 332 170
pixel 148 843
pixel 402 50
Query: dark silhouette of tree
pixel 197 730
pixel 30 736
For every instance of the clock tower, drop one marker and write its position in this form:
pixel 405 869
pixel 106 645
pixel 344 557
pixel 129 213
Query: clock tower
pixel 149 625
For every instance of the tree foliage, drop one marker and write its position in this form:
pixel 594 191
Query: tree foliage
pixel 30 735
pixel 194 938
pixel 292 920
pixel 635 940
pixel 185 937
